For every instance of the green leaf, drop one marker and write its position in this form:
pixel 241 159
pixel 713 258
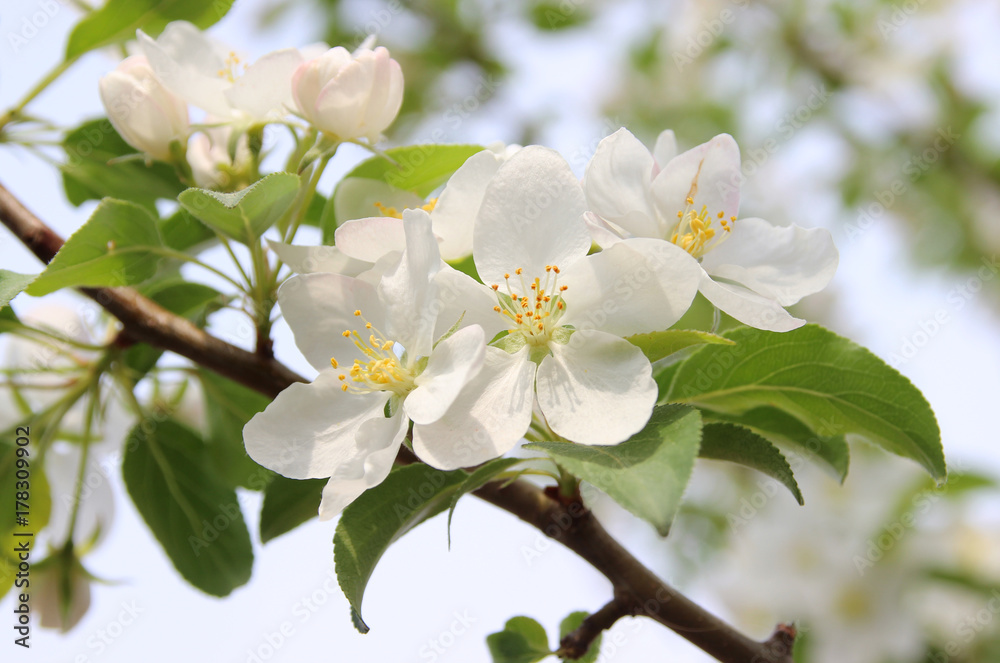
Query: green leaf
pixel 243 215
pixel 522 640
pixel 418 168
pixel 829 383
pixel 194 516
pixel 479 478
pixel 741 445
pixel 183 232
pixel 553 16
pixel 646 473
pixel 118 20
pixel 570 624
pixel 658 345
pixel 39 494
pixel 781 428
pixel 11 285
pixel 117 246
pixel 228 407
pixel 369 525
pixel 287 504
pixel 88 175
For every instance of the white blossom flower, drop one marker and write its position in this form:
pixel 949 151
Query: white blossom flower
pixel 210 75
pixel 566 311
pixel 212 166
pixel 380 369
pixel 144 112
pixel 750 269
pixel 350 95
pixel 452 212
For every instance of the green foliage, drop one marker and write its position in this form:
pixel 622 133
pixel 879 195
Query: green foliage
pixel 116 246
pixel 11 285
pixel 183 232
pixel 90 174
pixel 194 515
pixel 39 502
pixel 287 504
pixel 741 445
pixel 117 21
pixel 647 473
pixel 553 16
pixel 570 624
pixel 834 386
pixel 246 214
pixel 417 168
pixel 658 345
pixel 369 525
pixel 522 640
pixel 228 407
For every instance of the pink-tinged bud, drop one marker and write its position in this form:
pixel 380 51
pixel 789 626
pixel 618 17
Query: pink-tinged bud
pixel 349 95
pixel 147 115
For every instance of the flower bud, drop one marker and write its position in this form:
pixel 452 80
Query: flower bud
pixel 349 95
pixel 147 115
pixel 213 167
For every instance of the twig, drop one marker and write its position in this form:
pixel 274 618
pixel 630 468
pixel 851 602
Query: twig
pixel 637 590
pixel 576 643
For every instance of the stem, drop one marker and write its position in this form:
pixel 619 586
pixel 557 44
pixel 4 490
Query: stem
pixel 84 454
pixel 303 201
pixel 184 257
pixel 48 79
pixel 576 643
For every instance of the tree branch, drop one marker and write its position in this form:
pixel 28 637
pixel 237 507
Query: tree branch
pixel 576 643
pixel 637 590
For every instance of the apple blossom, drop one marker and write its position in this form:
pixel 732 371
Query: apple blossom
pixel 566 311
pixel 749 268
pixel 211 76
pixel 212 166
pixel 144 112
pixel 349 95
pixel 380 368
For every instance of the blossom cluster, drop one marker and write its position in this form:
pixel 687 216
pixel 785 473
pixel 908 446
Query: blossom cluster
pixel 567 271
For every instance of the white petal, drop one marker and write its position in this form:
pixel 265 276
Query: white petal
pixel 264 91
pixel 486 420
pixel 188 62
pixel 462 297
pixel 531 216
pixel 603 232
pixel 709 173
pixel 747 306
pixel 309 430
pixel 378 441
pixel 320 307
pixel 459 202
pixel 454 362
pixel 638 285
pixel 355 198
pixel 617 184
pixel 782 263
pixel 407 289
pixel 316 259
pixel 370 239
pixel 666 148
pixel 597 389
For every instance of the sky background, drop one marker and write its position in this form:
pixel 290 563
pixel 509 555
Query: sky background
pixel 424 602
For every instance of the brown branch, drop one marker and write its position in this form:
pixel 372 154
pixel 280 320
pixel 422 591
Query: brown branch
pixel 576 643
pixel 637 590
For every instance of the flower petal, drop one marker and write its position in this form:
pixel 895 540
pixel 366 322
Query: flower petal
pixel 370 239
pixel 309 430
pixel 454 362
pixel 617 184
pixel 596 389
pixel 709 173
pixel 462 297
pixel 666 148
pixel 486 420
pixel 188 62
pixel 747 306
pixel 378 441
pixel 317 259
pixel 320 307
pixel 635 286
pixel 459 202
pixel 782 263
pixel 264 91
pixel 407 289
pixel 356 198
pixel 531 216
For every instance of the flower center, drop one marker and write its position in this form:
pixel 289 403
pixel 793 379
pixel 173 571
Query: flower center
pixel 535 314
pixel 694 232
pixel 230 67
pixel 381 370
pixel 393 212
